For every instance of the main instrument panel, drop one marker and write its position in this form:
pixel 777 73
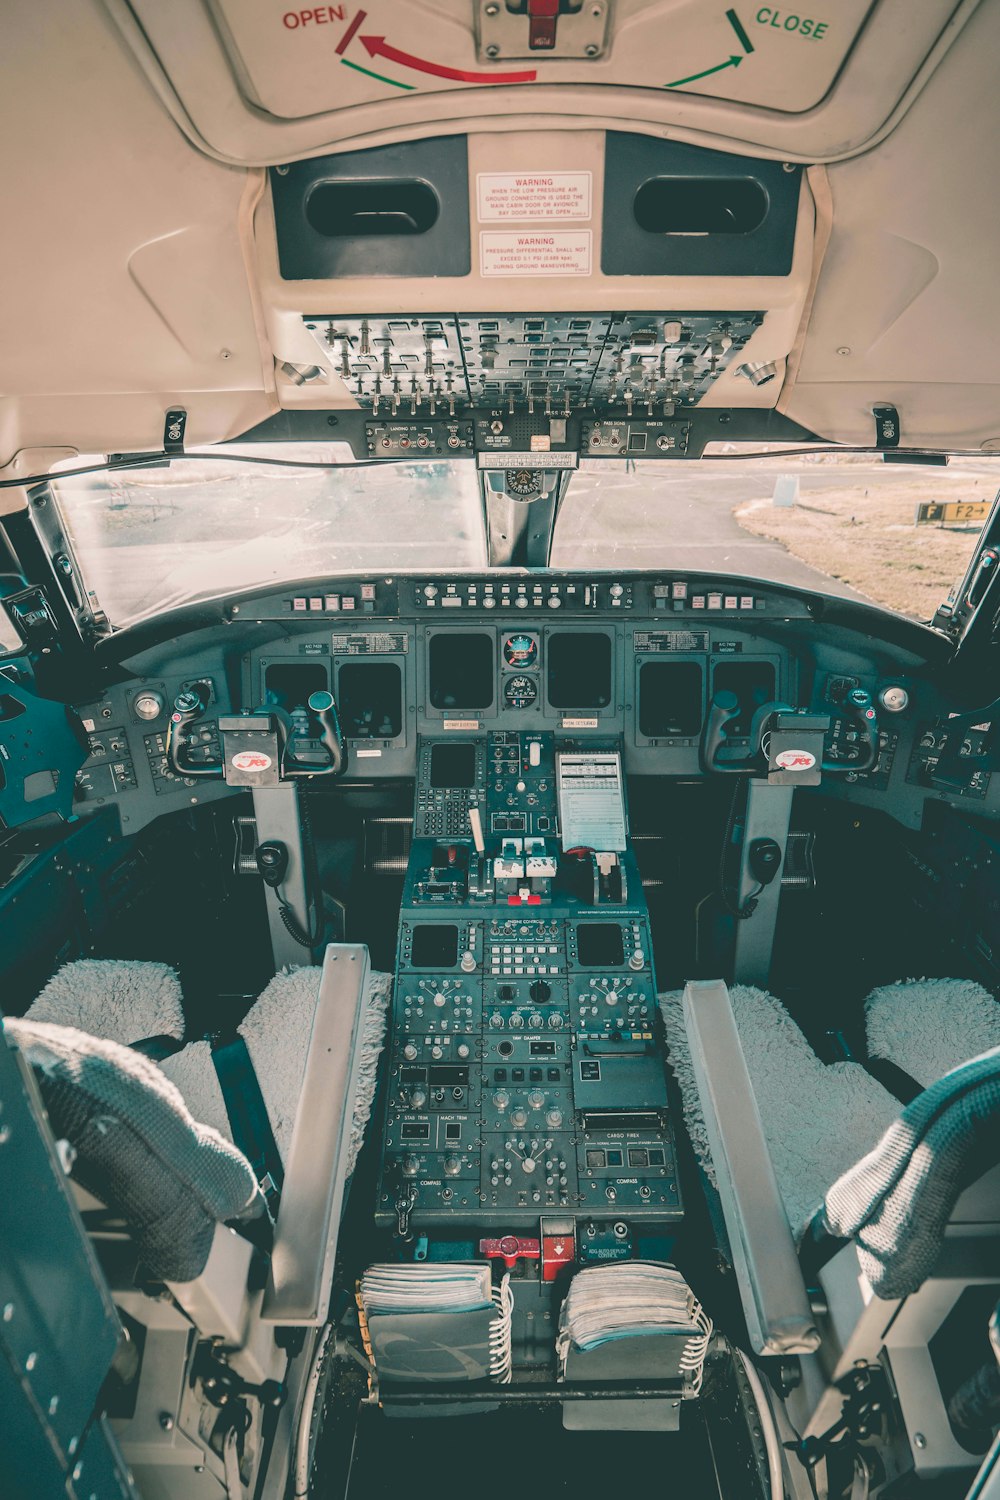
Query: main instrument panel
pixel 637 658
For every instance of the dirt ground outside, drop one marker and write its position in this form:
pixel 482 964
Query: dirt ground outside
pixel 865 534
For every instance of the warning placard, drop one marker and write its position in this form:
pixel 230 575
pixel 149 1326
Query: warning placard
pixel 565 252
pixel 522 196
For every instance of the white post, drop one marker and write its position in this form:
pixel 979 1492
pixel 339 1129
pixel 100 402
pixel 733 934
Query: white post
pixel 786 490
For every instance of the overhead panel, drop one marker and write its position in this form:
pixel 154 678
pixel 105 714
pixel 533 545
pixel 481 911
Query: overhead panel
pixel 544 363
pixel 305 60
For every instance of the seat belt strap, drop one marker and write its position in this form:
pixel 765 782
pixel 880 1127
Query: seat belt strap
pixel 156 1048
pixel 892 1077
pixel 889 1074
pixel 247 1113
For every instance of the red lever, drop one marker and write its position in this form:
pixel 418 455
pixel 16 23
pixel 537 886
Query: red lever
pixel 542 18
pixel 510 1248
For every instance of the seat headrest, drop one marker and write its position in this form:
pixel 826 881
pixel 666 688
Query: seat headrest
pixel 121 1000
pixel 137 1147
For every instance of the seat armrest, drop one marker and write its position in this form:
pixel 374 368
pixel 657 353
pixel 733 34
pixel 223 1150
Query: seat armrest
pixel 772 1289
pixel 305 1238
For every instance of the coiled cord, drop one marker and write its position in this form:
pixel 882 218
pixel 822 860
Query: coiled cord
pixel 741 913
pixel 692 1361
pixel 501 1353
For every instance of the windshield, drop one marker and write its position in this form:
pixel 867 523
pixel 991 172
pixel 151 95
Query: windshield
pixel 835 523
pixel 149 540
pixel 896 535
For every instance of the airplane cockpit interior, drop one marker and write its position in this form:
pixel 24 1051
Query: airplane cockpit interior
pixel 499 750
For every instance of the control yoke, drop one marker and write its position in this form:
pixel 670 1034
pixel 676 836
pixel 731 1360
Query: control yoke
pixel 785 744
pixel 257 746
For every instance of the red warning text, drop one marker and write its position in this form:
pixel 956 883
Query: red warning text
pixel 320 15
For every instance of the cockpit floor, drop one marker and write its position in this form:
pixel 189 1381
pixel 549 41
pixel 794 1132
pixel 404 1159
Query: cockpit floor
pixel 509 1451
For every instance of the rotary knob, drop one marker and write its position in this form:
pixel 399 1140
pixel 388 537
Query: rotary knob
pixel 536 1098
pixel 410 1052
pixel 528 1164
pixel 519 1116
pixel 418 1098
pixel 468 964
pixel 501 1099
pixel 440 1000
pixel 517 1020
pixel 452 1166
pixel 535 1021
pixel 496 1020
pixel 463 1049
pixel 187 702
pixel 554 1119
pixel 555 1020
pixel 636 959
pixel 411 1166
pixel 437 1053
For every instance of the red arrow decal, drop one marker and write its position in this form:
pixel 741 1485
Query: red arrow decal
pixel 377 46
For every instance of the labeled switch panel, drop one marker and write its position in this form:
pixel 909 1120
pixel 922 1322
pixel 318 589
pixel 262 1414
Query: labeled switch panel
pixel 550 364
pixel 526 1066
pixel 108 769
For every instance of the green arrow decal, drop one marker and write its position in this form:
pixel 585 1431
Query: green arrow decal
pixel 731 62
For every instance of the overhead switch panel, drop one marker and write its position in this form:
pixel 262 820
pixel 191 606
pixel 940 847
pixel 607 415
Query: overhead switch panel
pixel 551 363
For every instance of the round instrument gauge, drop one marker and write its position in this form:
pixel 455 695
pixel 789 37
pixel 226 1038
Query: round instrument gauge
pixel 523 482
pixel 520 692
pixel 520 651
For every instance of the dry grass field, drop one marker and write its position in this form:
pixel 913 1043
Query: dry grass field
pixel 867 537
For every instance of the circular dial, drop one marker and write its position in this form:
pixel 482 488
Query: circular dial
pixel 520 651
pixel 523 482
pixel 894 698
pixel 520 692
pixel 149 705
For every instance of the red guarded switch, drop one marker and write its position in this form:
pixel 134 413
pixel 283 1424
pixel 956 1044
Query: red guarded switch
pixel 558 1250
pixel 542 18
pixel 510 1248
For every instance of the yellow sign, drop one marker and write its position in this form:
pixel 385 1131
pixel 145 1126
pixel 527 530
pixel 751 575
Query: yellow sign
pixel 950 512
